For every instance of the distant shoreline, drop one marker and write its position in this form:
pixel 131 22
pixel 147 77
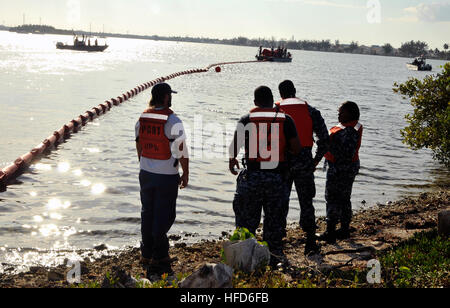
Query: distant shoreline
pixel 321 46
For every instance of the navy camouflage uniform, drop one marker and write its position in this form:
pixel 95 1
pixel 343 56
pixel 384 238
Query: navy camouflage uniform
pixel 302 168
pixel 341 175
pixel 263 190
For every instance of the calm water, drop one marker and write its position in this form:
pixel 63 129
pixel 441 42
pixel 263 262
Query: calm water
pixel 87 192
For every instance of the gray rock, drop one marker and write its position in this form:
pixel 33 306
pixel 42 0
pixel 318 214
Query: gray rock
pixel 444 223
pixel 55 276
pixel 216 276
pixel 101 247
pixel 246 256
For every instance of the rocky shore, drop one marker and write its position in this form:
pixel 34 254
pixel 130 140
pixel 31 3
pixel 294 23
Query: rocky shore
pixel 374 229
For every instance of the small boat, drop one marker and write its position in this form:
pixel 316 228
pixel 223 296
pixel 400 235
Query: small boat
pixel 419 64
pixel 271 55
pixel 83 45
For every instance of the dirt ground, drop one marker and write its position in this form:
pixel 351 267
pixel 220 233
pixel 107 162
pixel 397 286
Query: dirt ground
pixel 375 229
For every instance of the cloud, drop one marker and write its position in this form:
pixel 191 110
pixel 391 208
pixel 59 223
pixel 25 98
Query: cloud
pixel 324 3
pixel 434 12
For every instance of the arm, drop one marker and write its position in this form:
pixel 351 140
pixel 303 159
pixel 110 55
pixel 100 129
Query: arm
pixel 184 180
pixel 321 131
pixel 234 151
pixel 139 150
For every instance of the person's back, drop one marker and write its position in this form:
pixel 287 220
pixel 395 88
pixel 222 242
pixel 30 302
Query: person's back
pixel 267 134
pixel 308 121
pixel 160 144
pixel 343 166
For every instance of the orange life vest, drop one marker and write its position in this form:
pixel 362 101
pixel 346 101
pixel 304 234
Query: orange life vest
pixel 358 127
pixel 264 118
pixel 153 140
pixel 298 111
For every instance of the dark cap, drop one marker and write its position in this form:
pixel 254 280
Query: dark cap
pixel 162 89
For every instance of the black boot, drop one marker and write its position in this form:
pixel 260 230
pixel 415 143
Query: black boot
pixel 311 246
pixel 330 235
pixel 344 232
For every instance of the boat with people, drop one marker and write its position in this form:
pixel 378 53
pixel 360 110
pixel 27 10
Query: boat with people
pixel 419 64
pixel 83 44
pixel 274 55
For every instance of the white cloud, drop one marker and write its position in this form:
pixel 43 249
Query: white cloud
pixel 434 12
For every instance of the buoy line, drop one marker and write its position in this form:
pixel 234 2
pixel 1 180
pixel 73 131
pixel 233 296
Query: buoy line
pixel 22 163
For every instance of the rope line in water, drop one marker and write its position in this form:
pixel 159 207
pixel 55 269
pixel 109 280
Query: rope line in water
pixel 12 171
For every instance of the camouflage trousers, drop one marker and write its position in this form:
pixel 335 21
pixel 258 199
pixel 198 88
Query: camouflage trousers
pixel 257 191
pixel 338 194
pixel 302 174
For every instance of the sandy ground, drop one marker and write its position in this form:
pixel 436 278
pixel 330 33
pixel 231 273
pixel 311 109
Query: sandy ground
pixel 375 229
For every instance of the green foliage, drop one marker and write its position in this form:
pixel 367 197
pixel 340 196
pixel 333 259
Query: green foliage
pixel 429 125
pixel 241 234
pixel 423 261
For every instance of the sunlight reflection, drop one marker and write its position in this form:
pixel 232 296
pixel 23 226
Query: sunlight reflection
pixel 98 189
pixel 48 230
pixel 77 172
pixel 33 194
pixel 56 204
pixel 63 167
pixel 92 150
pixel 43 167
pixel 85 183
pixel 38 218
pixel 56 216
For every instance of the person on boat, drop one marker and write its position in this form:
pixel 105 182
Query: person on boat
pixel 260 51
pixel 308 121
pixel 259 185
pixel 96 42
pixel 161 148
pixel 344 164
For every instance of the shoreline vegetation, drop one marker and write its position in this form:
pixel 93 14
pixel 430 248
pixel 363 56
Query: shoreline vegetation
pixel 408 49
pixel 401 235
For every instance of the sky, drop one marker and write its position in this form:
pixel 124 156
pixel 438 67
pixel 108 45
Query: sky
pixel 370 22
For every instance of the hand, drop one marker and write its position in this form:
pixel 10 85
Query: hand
pixel 234 163
pixel 184 180
pixel 316 163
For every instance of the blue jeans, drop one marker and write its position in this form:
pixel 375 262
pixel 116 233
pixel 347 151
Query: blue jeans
pixel 158 197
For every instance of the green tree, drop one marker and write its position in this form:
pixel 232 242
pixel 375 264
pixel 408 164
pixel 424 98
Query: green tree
pixel 429 125
pixel 388 49
pixel 446 47
pixel 414 49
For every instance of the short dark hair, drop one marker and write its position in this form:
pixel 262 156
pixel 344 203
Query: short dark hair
pixel 264 96
pixel 352 109
pixel 287 89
